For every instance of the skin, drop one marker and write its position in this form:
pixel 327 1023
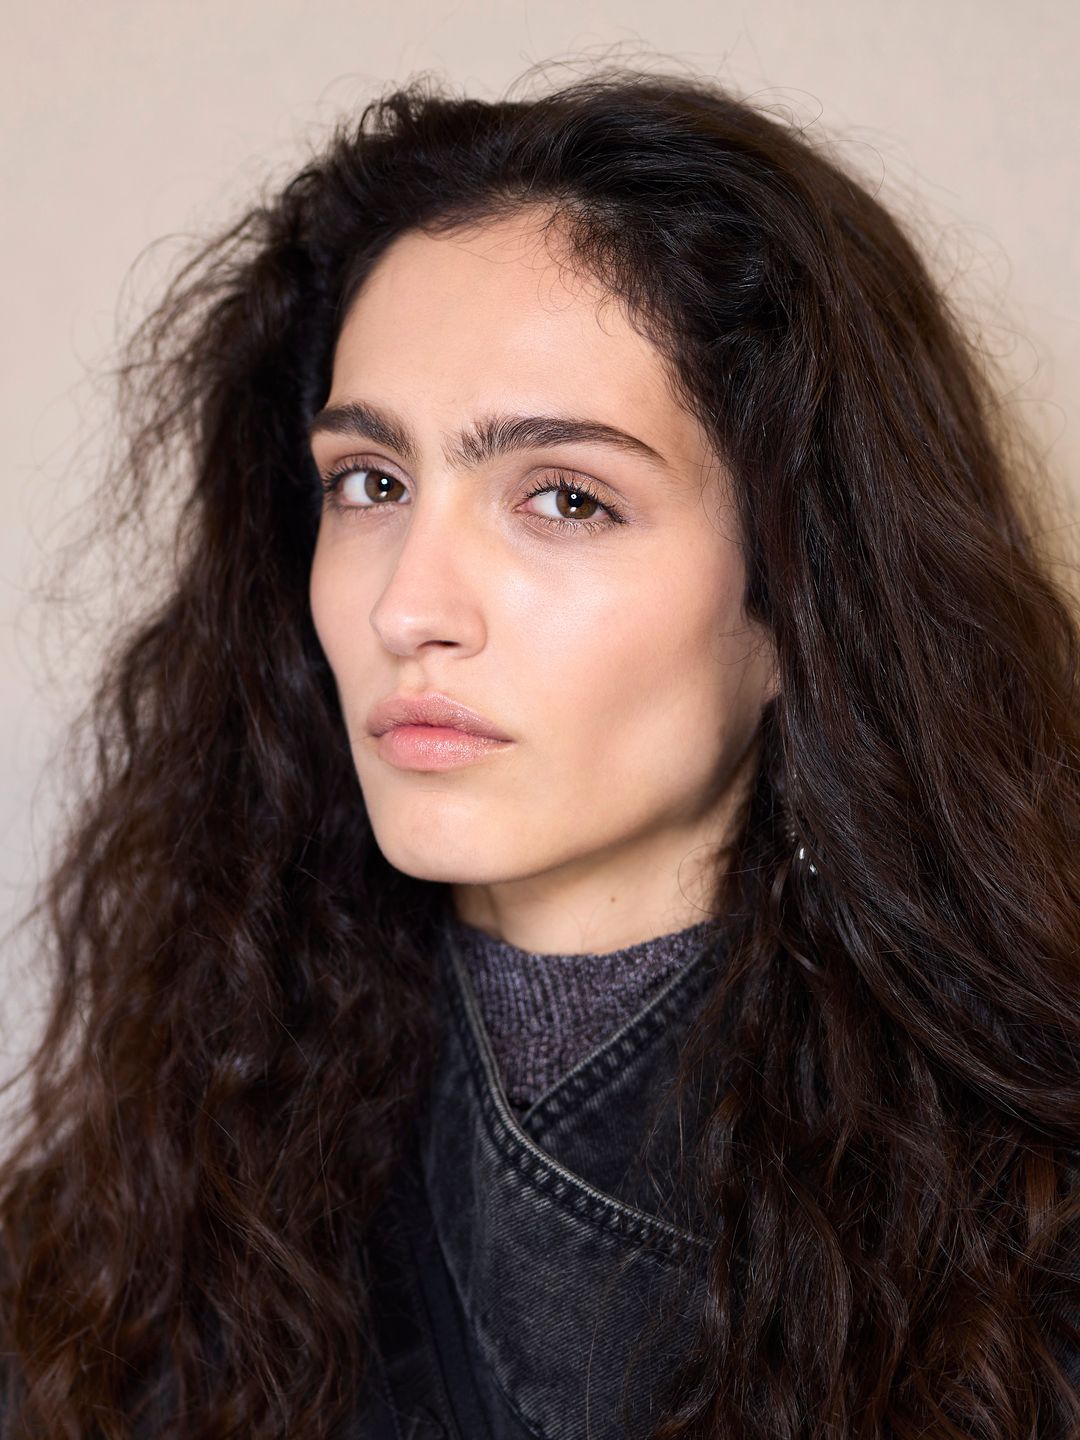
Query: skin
pixel 618 659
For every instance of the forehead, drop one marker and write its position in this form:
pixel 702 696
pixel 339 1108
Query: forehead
pixel 498 317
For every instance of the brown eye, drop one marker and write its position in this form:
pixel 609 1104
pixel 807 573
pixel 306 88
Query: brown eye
pixel 362 487
pixel 355 487
pixel 575 505
pixel 373 485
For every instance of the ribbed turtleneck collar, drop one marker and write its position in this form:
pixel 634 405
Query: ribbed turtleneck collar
pixel 544 1012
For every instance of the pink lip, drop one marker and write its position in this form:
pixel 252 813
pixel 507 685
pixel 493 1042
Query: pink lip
pixel 431 708
pixel 434 747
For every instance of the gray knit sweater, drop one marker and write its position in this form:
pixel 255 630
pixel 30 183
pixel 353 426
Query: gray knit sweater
pixel 543 1013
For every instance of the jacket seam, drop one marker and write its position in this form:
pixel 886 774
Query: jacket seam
pixel 569 1193
pixel 574 1090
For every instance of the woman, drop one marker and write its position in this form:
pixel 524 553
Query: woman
pixel 592 948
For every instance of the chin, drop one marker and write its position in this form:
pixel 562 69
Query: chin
pixel 447 862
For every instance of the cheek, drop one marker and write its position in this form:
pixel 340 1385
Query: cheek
pixel 320 599
pixel 607 667
pixel 336 608
pixel 672 661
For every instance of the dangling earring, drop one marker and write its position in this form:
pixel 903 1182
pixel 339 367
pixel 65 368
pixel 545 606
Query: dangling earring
pixel 801 855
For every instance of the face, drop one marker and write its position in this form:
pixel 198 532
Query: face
pixel 580 590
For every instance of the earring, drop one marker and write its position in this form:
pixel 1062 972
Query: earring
pixel 793 840
pixel 800 853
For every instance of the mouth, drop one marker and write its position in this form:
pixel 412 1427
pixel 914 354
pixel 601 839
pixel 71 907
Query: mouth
pixel 433 710
pixel 435 747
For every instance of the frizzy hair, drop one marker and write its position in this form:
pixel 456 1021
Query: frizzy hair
pixel 240 1029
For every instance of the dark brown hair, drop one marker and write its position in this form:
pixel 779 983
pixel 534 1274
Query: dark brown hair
pixel 240 1013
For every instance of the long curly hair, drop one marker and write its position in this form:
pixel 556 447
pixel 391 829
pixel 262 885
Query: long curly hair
pixel 240 1027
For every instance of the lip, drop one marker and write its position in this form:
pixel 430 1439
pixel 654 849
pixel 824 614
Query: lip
pixel 434 747
pixel 431 708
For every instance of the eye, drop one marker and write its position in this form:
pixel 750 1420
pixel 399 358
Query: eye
pixel 371 484
pixel 354 487
pixel 578 497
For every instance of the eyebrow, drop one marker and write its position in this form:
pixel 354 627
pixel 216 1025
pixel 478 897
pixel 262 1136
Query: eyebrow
pixel 487 437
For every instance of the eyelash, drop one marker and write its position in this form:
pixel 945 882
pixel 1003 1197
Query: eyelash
pixel 563 480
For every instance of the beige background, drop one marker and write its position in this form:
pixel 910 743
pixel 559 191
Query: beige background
pixel 130 121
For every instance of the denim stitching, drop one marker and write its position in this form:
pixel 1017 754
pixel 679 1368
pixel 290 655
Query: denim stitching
pixel 564 1189
pixel 595 1070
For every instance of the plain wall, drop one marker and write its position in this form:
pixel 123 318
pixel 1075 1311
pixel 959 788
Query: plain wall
pixel 128 123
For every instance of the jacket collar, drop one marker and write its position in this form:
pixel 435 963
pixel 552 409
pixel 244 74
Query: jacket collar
pixel 580 1272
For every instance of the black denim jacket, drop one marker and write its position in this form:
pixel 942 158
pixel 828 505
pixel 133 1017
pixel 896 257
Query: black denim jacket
pixel 533 1265
pixel 523 1258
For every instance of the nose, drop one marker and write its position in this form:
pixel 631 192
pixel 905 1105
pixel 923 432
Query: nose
pixel 435 569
